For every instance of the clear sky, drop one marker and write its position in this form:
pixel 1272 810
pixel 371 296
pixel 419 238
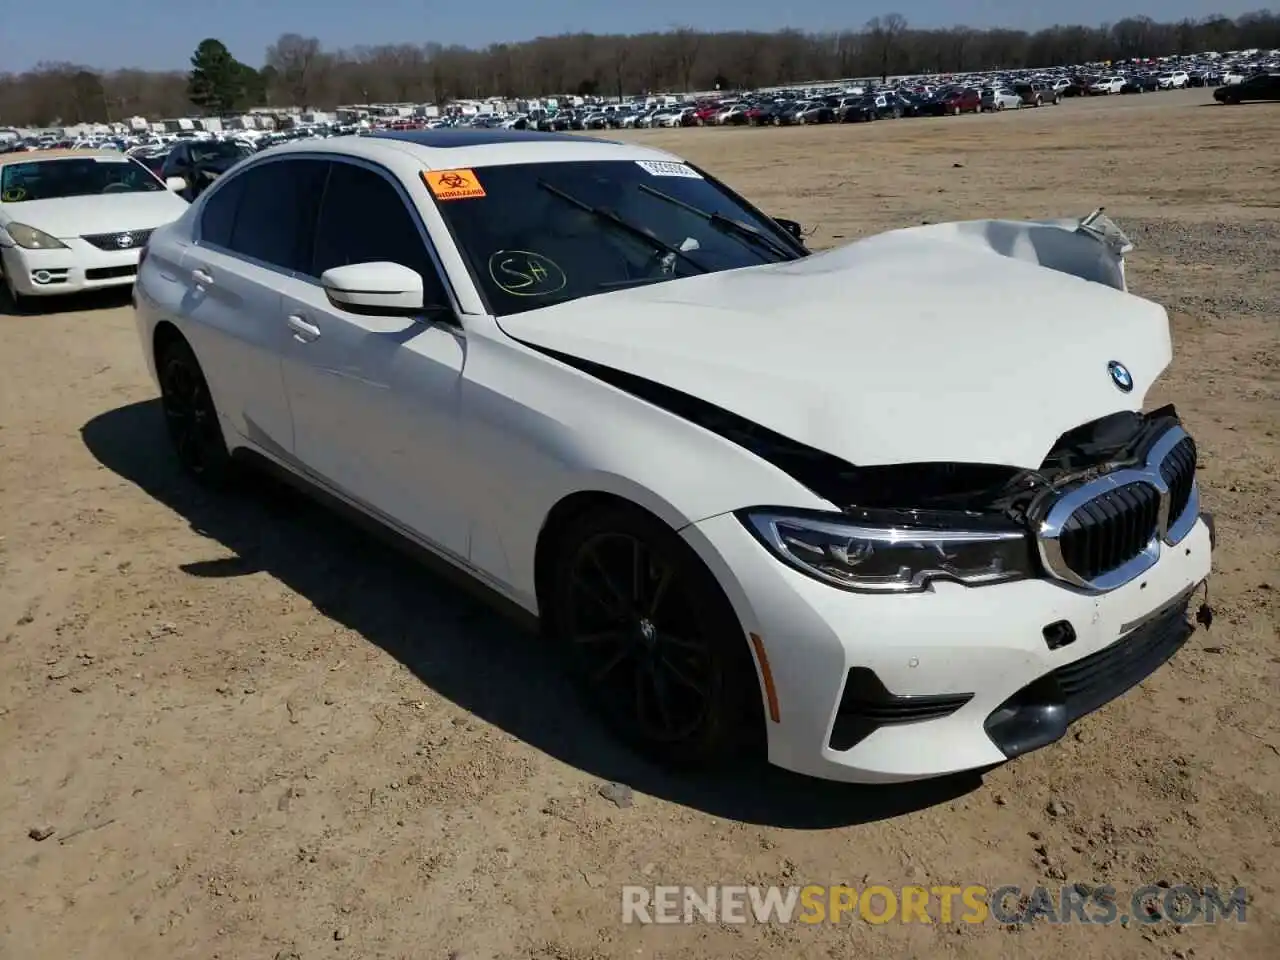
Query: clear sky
pixel 158 35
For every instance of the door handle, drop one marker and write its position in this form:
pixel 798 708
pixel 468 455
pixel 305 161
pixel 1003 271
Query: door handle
pixel 303 332
pixel 202 277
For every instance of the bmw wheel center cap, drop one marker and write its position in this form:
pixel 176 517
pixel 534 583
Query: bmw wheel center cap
pixel 1120 375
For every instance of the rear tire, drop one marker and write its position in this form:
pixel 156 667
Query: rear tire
pixel 653 644
pixel 192 418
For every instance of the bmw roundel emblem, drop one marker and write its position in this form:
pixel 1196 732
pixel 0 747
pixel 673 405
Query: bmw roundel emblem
pixel 1120 375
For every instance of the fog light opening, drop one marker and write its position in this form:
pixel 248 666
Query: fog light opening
pixel 1059 634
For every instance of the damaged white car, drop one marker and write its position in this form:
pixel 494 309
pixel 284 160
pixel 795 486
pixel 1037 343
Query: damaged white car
pixel 889 511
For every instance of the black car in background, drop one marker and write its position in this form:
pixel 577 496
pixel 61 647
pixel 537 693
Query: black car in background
pixel 1261 86
pixel 1141 83
pixel 153 160
pixel 858 110
pixel 200 162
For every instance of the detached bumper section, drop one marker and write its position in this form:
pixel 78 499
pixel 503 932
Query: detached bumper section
pixel 1040 712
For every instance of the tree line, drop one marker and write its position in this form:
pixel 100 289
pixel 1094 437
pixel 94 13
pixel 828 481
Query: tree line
pixel 299 71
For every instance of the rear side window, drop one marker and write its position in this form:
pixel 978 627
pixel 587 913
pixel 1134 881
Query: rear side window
pixel 219 214
pixel 276 214
pixel 365 219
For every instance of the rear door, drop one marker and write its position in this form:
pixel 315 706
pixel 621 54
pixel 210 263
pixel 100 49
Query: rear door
pixel 254 236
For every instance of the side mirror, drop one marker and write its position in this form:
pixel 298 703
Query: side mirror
pixel 176 184
pixel 381 288
pixel 791 226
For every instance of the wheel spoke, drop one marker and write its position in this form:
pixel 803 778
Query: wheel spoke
pixel 660 695
pixel 637 573
pixel 669 665
pixel 612 607
pixel 676 640
pixel 619 595
pixel 611 664
pixel 660 591
pixel 601 636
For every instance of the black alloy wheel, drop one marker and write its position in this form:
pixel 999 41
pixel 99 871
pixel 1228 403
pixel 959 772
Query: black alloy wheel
pixel 652 641
pixel 191 416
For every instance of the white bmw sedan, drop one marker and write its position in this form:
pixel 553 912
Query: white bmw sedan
pixel 891 511
pixel 73 220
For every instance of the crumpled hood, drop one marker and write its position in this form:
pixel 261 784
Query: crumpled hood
pixel 106 213
pixel 909 346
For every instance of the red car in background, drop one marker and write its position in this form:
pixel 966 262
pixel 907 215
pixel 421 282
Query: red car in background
pixel 706 113
pixel 961 101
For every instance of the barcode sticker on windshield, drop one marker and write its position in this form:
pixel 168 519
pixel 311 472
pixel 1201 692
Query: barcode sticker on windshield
pixel 667 168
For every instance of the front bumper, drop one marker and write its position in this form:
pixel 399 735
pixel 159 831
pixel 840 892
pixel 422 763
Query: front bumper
pixel 939 682
pixel 80 266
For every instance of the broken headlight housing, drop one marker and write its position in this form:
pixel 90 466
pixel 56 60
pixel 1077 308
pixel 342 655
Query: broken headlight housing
pixel 870 558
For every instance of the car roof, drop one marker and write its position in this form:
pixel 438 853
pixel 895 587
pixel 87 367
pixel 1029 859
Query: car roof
pixel 34 156
pixel 451 149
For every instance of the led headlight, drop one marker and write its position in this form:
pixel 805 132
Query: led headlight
pixel 29 238
pixel 890 559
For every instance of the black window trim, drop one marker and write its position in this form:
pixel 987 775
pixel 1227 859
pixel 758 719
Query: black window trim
pixel 325 157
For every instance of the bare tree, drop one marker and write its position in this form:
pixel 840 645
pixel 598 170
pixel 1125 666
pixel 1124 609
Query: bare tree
pixel 885 36
pixel 619 59
pixel 296 59
pixel 685 46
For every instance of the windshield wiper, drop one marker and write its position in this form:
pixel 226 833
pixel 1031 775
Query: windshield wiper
pixel 608 216
pixel 727 225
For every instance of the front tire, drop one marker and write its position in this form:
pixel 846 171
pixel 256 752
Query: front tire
pixel 652 642
pixel 17 302
pixel 192 418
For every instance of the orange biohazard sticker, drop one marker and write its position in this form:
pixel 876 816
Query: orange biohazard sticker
pixel 453 184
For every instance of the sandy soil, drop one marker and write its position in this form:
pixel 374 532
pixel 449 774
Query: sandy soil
pixel 257 733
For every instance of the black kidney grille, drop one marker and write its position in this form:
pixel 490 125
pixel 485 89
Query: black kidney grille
pixel 1179 473
pixel 1110 530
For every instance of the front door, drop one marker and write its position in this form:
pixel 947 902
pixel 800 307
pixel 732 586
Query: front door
pixel 375 399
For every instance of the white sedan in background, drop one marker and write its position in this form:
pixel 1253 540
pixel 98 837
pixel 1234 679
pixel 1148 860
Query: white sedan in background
pixel 77 220
pixel 894 510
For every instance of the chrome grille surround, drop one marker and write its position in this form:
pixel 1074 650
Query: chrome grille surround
pixel 1163 470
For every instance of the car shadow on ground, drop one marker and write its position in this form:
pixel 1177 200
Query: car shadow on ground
pixel 107 299
pixel 455 643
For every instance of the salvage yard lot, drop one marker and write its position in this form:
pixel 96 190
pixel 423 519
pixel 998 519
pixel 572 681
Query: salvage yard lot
pixel 261 734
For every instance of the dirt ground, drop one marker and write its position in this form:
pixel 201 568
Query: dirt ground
pixel 257 733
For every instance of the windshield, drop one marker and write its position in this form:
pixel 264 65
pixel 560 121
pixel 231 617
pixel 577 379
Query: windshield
pixel 74 177
pixel 539 234
pixel 219 150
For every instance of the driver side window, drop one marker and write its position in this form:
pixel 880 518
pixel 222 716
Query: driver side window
pixel 364 219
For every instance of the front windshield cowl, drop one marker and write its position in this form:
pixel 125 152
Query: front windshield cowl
pixel 535 235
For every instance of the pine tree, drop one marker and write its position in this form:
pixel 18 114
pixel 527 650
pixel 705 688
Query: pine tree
pixel 217 80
